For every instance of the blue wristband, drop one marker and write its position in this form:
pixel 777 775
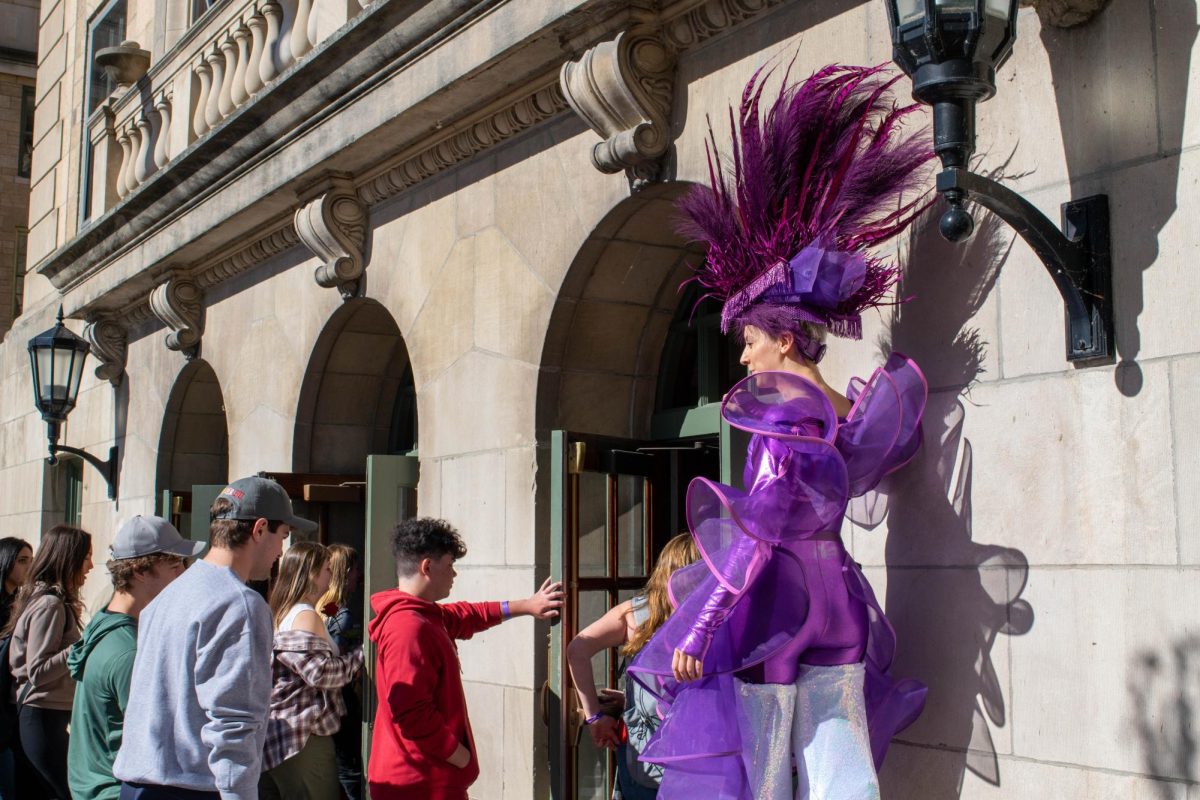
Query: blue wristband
pixel 593 718
pixel 504 612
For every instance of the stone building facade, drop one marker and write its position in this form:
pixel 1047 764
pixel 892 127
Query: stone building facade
pixel 18 68
pixel 369 250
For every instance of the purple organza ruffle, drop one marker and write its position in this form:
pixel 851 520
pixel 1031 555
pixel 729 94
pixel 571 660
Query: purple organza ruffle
pixel 746 602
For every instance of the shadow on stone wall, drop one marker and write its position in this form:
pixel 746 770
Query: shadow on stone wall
pixel 1106 110
pixel 949 597
pixel 1164 695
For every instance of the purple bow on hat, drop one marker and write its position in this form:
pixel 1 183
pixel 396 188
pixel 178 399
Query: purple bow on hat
pixel 815 282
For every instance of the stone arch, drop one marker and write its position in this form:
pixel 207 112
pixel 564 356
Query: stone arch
pixel 358 396
pixel 600 364
pixel 194 444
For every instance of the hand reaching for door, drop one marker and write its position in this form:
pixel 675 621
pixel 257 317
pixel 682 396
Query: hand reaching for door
pixel 542 604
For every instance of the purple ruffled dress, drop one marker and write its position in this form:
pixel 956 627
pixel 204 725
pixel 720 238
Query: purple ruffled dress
pixel 775 588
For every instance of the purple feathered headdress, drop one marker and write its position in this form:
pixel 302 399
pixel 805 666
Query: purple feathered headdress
pixel 816 181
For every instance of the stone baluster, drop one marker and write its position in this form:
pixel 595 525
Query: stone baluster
pixel 141 165
pixel 300 42
pixel 258 34
pixel 241 38
pixel 268 68
pixel 204 76
pixel 216 63
pixel 134 148
pixel 161 145
pixel 126 157
pixel 229 52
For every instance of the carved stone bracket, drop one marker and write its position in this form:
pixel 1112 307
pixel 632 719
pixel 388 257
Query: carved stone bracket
pixel 179 304
pixel 333 226
pixel 1066 13
pixel 623 90
pixel 110 344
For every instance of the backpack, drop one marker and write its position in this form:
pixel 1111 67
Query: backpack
pixel 641 721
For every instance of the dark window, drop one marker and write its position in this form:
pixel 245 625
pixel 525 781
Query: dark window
pixel 25 146
pixel 107 29
pixel 72 491
pixel 19 272
pixel 201 7
pixel 699 363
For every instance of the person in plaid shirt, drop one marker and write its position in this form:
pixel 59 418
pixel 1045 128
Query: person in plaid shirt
pixel 422 747
pixel 308 674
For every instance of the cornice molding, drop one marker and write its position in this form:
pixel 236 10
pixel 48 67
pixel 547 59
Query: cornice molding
pixel 699 23
pixel 472 137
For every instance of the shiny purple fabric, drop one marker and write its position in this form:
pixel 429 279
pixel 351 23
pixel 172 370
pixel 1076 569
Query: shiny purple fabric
pixel 775 587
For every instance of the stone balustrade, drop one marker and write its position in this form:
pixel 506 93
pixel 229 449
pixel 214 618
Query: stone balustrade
pixel 218 67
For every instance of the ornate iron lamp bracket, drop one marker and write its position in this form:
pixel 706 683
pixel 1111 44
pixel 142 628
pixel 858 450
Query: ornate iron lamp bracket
pixel 107 468
pixel 1078 257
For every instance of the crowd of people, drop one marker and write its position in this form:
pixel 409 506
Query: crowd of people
pixel 188 685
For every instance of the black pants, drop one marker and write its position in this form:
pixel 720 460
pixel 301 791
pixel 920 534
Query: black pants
pixel 149 791
pixel 347 746
pixel 44 741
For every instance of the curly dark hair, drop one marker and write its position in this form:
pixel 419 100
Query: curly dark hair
pixel 424 537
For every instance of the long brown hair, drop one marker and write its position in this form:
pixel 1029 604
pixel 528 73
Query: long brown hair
pixel 55 570
pixel 678 553
pixel 342 561
pixel 298 569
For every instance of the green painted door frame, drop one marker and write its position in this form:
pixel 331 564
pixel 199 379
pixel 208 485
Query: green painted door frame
pixel 391 496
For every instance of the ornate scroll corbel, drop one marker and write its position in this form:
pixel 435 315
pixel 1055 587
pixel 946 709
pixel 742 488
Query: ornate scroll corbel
pixel 623 90
pixel 179 304
pixel 110 344
pixel 333 225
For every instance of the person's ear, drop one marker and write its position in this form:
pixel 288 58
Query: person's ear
pixel 425 568
pixel 786 340
pixel 261 528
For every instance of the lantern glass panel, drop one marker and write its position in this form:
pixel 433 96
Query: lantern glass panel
pixel 77 359
pixel 909 10
pixel 956 6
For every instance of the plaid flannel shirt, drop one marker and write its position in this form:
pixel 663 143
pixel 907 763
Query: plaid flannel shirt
pixel 306 692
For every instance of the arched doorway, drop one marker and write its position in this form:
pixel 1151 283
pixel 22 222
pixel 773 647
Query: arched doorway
pixel 193 450
pixel 357 400
pixel 632 375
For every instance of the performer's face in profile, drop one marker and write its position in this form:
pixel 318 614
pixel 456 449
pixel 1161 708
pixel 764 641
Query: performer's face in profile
pixel 761 353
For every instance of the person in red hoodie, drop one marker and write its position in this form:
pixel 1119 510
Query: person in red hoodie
pixel 422 747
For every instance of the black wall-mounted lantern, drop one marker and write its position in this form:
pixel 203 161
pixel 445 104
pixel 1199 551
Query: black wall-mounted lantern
pixel 951 49
pixel 56 358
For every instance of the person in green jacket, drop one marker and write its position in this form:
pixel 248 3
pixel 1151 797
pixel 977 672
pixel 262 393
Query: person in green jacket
pixel 147 554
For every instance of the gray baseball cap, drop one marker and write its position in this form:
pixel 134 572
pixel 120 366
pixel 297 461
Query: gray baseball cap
pixel 142 536
pixel 261 498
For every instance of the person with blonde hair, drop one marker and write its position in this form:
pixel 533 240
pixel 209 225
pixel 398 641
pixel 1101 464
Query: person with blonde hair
pixel 343 622
pixel 629 625
pixel 308 673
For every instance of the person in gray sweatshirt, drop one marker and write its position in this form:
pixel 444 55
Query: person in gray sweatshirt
pixel 201 687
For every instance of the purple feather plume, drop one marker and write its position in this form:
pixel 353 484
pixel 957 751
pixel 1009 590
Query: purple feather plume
pixel 826 160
